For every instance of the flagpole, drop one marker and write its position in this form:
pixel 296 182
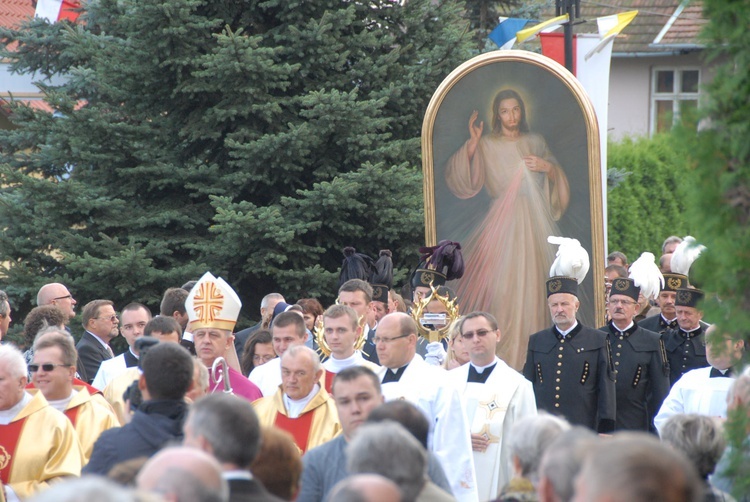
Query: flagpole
pixel 573 9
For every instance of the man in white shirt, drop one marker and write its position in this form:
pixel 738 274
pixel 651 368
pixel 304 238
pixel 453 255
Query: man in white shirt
pixel 134 318
pixel 341 331
pixel 704 390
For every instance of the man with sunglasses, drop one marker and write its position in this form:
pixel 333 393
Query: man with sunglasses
pixel 53 372
pixel 405 375
pixel 496 397
pixel 39 445
pixel 570 365
pixel 102 325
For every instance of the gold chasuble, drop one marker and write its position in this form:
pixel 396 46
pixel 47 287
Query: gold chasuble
pixel 90 415
pixel 37 448
pixel 116 388
pixel 317 424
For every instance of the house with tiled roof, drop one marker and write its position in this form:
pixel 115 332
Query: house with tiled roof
pixel 13 86
pixel 657 68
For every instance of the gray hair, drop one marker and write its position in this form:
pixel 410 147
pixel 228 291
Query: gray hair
pixel 4 304
pixel 270 296
pixel 636 467
pixel 563 458
pixel 296 350
pixel 85 488
pixel 386 448
pixel 230 426
pixel 529 439
pixel 699 437
pixel 12 360
pixel 672 239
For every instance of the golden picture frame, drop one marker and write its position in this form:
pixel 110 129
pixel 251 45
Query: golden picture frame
pixel 500 193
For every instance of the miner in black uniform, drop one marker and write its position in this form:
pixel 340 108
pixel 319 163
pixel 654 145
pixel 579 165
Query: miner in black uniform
pixel 668 317
pixel 570 365
pixel 686 345
pixel 641 368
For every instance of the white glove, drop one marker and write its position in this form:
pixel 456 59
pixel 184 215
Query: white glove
pixel 435 354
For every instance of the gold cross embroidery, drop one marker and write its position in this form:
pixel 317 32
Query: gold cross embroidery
pixel 208 302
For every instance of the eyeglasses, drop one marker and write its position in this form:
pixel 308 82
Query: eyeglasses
pixel 258 358
pixel 481 333
pixel 66 297
pixel 379 339
pixel 622 302
pixel 112 318
pixel 46 367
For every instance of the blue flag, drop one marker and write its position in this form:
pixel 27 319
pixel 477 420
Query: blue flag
pixel 506 30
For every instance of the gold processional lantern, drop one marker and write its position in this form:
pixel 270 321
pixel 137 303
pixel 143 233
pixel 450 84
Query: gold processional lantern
pixel 319 333
pixel 434 326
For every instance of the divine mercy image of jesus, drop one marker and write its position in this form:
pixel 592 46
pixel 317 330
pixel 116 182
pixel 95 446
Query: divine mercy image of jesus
pixel 507 255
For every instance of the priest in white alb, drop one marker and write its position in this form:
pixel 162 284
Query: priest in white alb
pixel 405 375
pixel 496 396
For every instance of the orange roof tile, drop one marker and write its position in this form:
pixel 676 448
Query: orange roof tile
pixel 653 16
pixel 15 12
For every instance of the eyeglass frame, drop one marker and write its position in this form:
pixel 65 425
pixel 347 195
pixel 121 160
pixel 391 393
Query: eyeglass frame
pixel 377 339
pixel 481 333
pixel 263 358
pixel 66 297
pixel 112 318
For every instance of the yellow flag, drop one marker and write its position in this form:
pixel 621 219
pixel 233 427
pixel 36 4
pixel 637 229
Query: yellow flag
pixel 527 33
pixel 612 25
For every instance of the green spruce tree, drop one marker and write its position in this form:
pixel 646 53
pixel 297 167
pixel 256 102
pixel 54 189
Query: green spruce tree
pixel 255 139
pixel 720 199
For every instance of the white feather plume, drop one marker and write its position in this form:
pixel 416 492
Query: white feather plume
pixel 685 254
pixel 647 276
pixel 571 259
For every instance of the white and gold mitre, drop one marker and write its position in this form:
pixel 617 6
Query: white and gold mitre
pixel 212 303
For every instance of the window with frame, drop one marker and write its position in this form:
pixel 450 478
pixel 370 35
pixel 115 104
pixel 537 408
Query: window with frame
pixel 674 94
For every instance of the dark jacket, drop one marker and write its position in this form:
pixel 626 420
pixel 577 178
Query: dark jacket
pixel 641 376
pixel 91 353
pixel 573 376
pixel 154 424
pixel 249 490
pixel 685 351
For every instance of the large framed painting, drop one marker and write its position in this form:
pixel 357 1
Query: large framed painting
pixel 510 149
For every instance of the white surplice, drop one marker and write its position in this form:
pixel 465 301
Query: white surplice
pixel 428 388
pixel 493 408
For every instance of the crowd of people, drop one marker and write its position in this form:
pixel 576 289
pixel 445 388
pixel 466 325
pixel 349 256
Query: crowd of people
pixel 355 402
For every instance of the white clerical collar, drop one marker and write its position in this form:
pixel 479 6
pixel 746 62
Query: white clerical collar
pixel 626 327
pixel 104 344
pixel 480 369
pixel 336 365
pixel 6 416
pixel 692 330
pixel 565 333
pixel 134 354
pixel 668 320
pixel 187 335
pixel 294 407
pixel 62 404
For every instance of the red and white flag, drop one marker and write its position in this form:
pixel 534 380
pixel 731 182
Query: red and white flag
pixel 57 10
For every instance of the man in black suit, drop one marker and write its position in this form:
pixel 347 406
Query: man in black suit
pixel 228 428
pixel 102 325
